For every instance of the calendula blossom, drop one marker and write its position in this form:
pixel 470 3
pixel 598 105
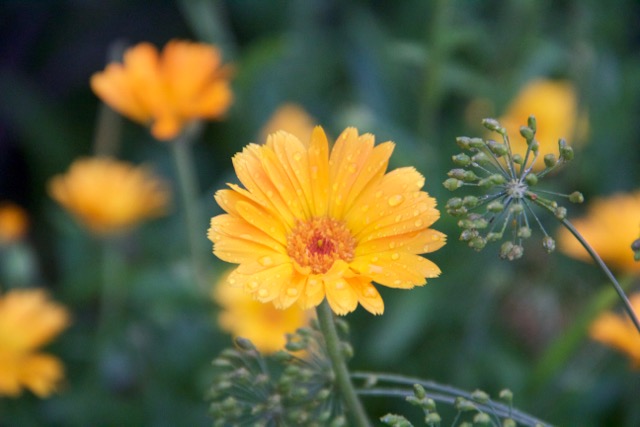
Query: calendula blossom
pixel 166 90
pixel 109 196
pixel 312 223
pixel 554 103
pixel 618 331
pixel 263 324
pixel 610 226
pixel 28 320
pixel 13 222
pixel 291 118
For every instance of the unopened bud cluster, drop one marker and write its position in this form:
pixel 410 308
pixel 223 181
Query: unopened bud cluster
pixel 292 387
pixel 506 181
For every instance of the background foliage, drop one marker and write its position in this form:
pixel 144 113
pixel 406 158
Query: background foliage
pixel 408 71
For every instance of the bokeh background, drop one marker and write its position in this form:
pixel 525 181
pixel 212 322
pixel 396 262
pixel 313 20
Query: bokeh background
pixel 416 72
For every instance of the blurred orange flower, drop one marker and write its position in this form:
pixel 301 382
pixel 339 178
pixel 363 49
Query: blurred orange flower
pixel 263 324
pixel 555 106
pixel 28 321
pixel 166 90
pixel 619 332
pixel 290 118
pixel 109 196
pixel 13 222
pixel 610 226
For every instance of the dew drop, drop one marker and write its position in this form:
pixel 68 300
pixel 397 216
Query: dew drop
pixel 266 261
pixel 418 223
pixel 395 256
pixel 395 200
pixel 297 156
pixel 378 194
pixel 395 282
pixel 340 285
pixel 374 259
pixel 292 292
pixel 392 245
pixel 369 292
pixel 253 285
pixel 263 293
pixel 312 282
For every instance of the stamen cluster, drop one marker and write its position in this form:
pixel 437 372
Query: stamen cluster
pixel 507 178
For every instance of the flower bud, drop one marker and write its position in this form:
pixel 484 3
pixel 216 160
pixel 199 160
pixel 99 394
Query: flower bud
pixel 452 184
pixel 566 152
pixel 524 232
pixel 461 160
pixel 432 418
pixel 535 146
pixel 454 203
pixel 506 395
pixel 496 148
pixel 480 396
pixel 548 244
pixel 527 133
pixel 560 212
pixel 463 142
pixel 456 173
pixel 476 143
pixel 492 124
pixel 576 197
pixel 532 123
pixel 480 158
pixel 495 206
pixel 463 405
pixel 478 243
pixel 470 201
pixel 481 418
pixel 531 179
pixel 550 160
pixel 508 422
pixel 493 236
pixel 517 159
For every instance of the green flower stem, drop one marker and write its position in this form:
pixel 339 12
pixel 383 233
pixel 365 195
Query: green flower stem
pixel 352 402
pixel 437 392
pixel 189 191
pixel 607 272
pixel 111 292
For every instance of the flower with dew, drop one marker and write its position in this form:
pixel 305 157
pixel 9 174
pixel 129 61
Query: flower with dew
pixel 110 196
pixel 291 118
pixel 555 104
pixel 167 90
pixel 28 320
pixel 508 179
pixel 263 324
pixel 313 223
pixel 619 332
pixel 610 226
pixel 13 223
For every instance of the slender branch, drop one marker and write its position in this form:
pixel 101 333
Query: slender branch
pixel 607 272
pixel 351 399
pixel 439 392
pixel 189 191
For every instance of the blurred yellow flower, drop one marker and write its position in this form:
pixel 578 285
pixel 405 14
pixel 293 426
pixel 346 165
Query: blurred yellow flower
pixel 166 90
pixel 263 324
pixel 13 222
pixel 28 321
pixel 109 196
pixel 555 106
pixel 313 223
pixel 290 118
pixel 619 332
pixel 610 226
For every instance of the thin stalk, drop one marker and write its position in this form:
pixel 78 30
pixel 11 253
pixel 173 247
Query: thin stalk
pixel 438 392
pixel 188 186
pixel 111 297
pixel 343 379
pixel 607 272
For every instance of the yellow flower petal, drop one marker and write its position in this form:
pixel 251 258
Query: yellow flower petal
pixel 619 332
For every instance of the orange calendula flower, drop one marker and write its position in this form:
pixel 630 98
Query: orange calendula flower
pixel 28 320
pixel 555 106
pixel 109 196
pixel 619 332
pixel 290 118
pixel 13 222
pixel 610 227
pixel 311 223
pixel 166 90
pixel 263 324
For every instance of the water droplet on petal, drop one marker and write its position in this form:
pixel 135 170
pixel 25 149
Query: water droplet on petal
pixel 292 292
pixel 395 200
pixel 340 285
pixel 374 259
pixel 263 293
pixel 418 223
pixel 369 292
pixel 297 156
pixel 378 194
pixel 253 285
pixel 397 282
pixel 266 261
pixel 395 256
pixel 392 245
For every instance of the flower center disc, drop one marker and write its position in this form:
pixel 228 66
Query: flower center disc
pixel 319 242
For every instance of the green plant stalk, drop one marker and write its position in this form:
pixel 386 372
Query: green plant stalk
pixel 607 272
pixel 111 292
pixel 343 379
pixel 188 188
